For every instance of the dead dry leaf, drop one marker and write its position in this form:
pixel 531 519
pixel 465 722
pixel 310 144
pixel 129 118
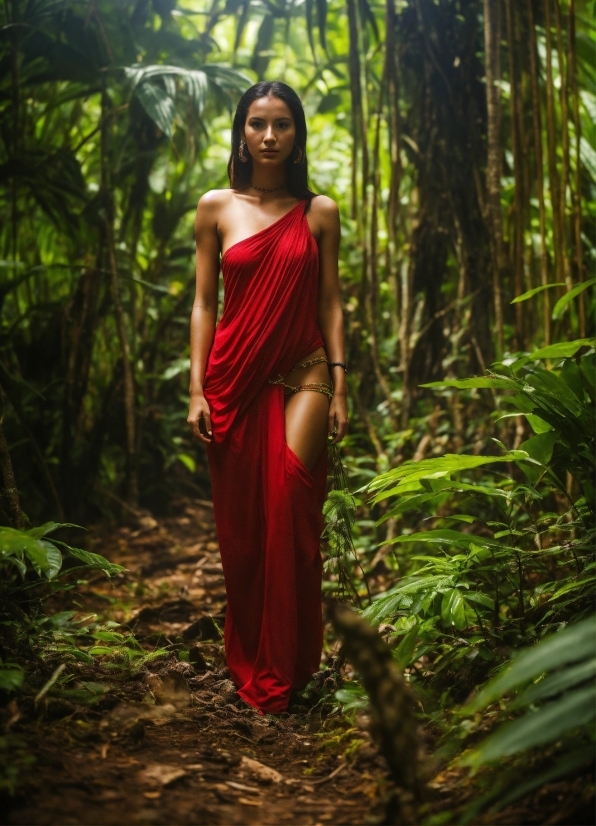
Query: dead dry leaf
pixel 161 773
pixel 250 801
pixel 264 773
pixel 242 788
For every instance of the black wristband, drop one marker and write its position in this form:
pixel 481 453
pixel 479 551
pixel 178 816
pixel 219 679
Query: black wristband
pixel 338 364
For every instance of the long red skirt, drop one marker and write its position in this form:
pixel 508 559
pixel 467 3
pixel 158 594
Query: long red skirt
pixel 268 506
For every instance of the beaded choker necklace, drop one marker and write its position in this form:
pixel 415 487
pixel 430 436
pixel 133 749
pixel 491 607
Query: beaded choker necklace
pixel 262 189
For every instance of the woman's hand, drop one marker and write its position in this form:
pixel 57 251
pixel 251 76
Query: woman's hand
pixel 199 419
pixel 338 417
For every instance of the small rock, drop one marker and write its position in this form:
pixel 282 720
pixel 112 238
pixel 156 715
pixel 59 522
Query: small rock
pixel 170 689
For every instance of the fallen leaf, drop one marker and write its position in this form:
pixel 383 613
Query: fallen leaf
pixel 242 788
pixel 152 795
pixel 250 802
pixel 195 767
pixel 161 773
pixel 261 771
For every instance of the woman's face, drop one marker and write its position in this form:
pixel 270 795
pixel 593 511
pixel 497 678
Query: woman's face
pixel 269 131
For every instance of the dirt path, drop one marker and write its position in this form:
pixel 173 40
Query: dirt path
pixel 172 744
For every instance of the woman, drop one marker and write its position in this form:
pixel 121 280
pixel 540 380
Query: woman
pixel 281 333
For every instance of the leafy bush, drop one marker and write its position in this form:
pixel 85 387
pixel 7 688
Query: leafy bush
pixel 524 557
pixel 554 681
pixel 32 563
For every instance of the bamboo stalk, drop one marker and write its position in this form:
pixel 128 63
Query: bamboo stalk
pixel 493 166
pixel 537 128
pixel 563 96
pixel 518 221
pixel 576 189
pixel 551 137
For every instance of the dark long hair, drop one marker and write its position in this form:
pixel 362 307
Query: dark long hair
pixel 239 173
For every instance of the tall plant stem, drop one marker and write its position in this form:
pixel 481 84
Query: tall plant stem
pixel 576 189
pixel 563 97
pixel 9 484
pixel 132 485
pixel 537 127
pixel 132 488
pixel 518 217
pixel 553 172
pixel 493 171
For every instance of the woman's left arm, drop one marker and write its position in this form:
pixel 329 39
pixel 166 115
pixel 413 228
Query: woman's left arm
pixel 330 314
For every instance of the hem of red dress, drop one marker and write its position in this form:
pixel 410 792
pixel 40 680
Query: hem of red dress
pixel 276 709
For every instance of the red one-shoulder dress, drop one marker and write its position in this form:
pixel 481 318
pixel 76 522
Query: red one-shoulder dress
pixel 268 506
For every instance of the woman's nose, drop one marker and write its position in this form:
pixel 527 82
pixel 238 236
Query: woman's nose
pixel 269 134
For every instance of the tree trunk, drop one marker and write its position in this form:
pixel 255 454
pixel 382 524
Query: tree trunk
pixel 492 38
pixel 132 489
pixel 132 485
pixel 9 484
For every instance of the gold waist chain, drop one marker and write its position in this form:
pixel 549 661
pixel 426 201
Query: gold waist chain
pixel 318 387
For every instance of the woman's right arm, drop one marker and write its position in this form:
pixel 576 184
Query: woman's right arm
pixel 204 312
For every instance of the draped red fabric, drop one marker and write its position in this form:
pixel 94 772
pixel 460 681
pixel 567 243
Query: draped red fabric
pixel 268 506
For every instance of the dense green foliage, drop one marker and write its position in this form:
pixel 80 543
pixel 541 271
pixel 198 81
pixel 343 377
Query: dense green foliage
pixel 521 565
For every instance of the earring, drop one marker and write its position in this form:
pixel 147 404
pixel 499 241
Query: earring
pixel 300 156
pixel 241 154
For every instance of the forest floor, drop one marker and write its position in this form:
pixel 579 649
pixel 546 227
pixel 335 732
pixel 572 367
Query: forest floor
pixel 170 743
pixel 167 741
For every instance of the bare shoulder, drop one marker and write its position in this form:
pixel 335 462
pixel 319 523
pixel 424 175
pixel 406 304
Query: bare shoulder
pixel 325 209
pixel 211 204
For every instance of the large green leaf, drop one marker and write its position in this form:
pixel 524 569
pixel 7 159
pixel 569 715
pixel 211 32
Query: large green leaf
pixel 569 677
pixel 576 708
pixel 540 447
pixel 563 302
pixel 435 468
pixel 405 649
pixel 479 383
pixel 159 106
pixel 16 543
pixel 573 643
pixel 564 349
pixel 535 291
pixel 453 609
pixel 95 561
pixel 54 558
pixel 445 536
pixel 11 679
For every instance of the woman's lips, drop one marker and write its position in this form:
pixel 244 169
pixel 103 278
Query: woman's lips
pixel 269 151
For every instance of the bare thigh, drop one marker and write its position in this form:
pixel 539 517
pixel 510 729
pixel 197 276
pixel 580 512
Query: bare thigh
pixel 307 412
